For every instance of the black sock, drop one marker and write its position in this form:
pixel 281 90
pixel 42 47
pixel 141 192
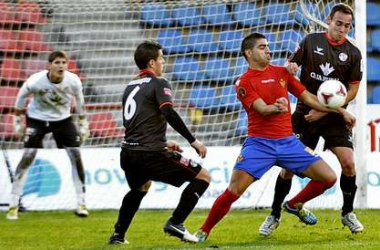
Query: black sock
pixel 128 209
pixel 281 190
pixel 348 186
pixel 189 199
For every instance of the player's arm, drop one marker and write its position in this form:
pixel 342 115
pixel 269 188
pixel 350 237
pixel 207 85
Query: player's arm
pixel 352 91
pixel 19 106
pixel 177 123
pixel 279 107
pixel 84 129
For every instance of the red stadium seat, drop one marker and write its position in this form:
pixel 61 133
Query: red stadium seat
pixel 8 41
pixel 7 15
pixel 104 125
pixel 11 70
pixel 29 13
pixel 73 68
pixel 6 127
pixel 32 40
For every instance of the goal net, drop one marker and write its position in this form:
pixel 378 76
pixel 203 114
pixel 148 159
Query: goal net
pixel 201 41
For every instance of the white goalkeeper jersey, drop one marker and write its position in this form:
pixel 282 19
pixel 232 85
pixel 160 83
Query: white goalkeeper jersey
pixel 51 101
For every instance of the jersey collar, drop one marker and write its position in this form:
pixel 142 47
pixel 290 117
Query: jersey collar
pixel 335 43
pixel 146 72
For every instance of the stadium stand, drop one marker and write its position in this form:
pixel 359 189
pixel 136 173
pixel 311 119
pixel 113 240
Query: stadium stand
pixel 373 72
pixel 173 41
pixel 155 15
pixel 229 100
pixel 6 128
pixel 203 98
pixel 202 41
pixel 376 95
pixel 217 14
pixel 247 14
pixel 103 124
pixel 230 40
pixel 187 16
pixel 11 70
pixel 187 69
pixel 7 98
pixel 28 12
pixel 373 14
pixel 218 69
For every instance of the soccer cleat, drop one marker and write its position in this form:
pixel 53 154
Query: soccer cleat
pixel 117 239
pixel 352 223
pixel 12 213
pixel 179 231
pixel 201 235
pixel 269 225
pixel 82 211
pixel 304 214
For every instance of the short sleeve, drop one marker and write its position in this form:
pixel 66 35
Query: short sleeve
pixel 163 92
pixel 246 92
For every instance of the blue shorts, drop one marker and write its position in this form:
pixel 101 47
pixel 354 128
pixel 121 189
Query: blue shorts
pixel 258 155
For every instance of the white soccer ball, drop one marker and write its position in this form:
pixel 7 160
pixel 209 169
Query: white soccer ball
pixel 332 94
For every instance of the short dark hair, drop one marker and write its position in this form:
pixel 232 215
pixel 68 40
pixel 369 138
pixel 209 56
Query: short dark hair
pixel 250 41
pixel 57 54
pixel 344 8
pixel 145 52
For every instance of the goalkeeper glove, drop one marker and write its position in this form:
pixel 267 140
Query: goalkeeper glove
pixel 84 130
pixel 18 127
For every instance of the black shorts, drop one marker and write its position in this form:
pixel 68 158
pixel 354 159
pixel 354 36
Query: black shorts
pixel 168 167
pixel 64 132
pixel 334 133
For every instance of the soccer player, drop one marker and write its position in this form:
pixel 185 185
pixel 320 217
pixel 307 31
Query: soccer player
pixel 263 91
pixel 49 111
pixel 146 156
pixel 325 56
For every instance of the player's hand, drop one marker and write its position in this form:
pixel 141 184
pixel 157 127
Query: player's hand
pixel 314 115
pixel 18 127
pixel 349 119
pixel 282 105
pixel 200 148
pixel 292 68
pixel 173 146
pixel 84 130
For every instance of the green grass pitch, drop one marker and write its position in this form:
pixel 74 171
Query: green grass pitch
pixel 238 230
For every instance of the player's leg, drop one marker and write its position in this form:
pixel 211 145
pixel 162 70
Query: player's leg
pixel 240 181
pixel 256 158
pixel 301 160
pixel 309 135
pixel 132 162
pixel 66 136
pixel 339 140
pixel 348 187
pixel 174 169
pixel 281 190
pixel 34 135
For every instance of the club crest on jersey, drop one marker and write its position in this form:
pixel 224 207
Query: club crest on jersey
pixel 241 92
pixel 167 92
pixel 282 83
pixel 239 158
pixel 343 56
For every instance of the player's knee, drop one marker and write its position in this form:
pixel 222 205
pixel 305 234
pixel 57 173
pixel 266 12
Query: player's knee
pixel 348 167
pixel 204 175
pixel 330 179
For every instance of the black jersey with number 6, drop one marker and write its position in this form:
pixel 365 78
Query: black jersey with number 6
pixel 145 126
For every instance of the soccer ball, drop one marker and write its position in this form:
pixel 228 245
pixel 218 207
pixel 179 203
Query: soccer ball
pixel 332 94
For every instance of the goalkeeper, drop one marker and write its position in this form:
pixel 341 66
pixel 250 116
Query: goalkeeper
pixel 49 111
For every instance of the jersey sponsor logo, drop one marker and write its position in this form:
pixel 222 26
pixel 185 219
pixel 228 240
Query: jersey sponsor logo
pixel 167 92
pixel 343 56
pixel 282 83
pixel 241 92
pixel 322 78
pixel 319 51
pixel 140 81
pixel 326 69
pixel 267 81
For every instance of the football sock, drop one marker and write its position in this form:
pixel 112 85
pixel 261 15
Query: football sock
pixel 348 186
pixel 21 175
pixel 77 172
pixel 220 208
pixel 128 209
pixel 312 190
pixel 189 199
pixel 281 190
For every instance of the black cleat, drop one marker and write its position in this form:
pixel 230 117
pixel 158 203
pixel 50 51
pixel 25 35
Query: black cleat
pixel 117 239
pixel 179 231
